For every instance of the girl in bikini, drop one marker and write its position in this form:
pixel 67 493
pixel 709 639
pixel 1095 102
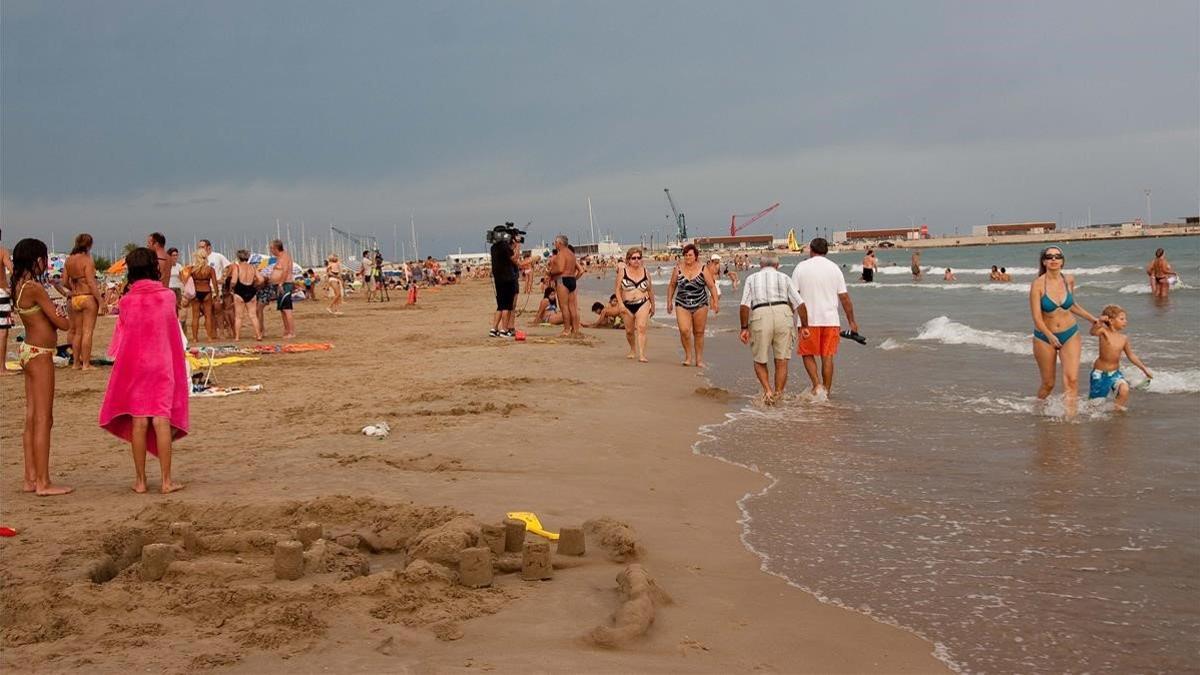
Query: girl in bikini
pixel 636 294
pixel 1055 335
pixel 692 289
pixel 201 276
pixel 42 321
pixel 79 273
pixel 333 281
pixel 245 295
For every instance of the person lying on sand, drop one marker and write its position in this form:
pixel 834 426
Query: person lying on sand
pixel 607 316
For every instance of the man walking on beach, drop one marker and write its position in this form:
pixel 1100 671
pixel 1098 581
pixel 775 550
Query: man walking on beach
pixel 156 242
pixel 281 276
pixel 820 283
pixel 767 313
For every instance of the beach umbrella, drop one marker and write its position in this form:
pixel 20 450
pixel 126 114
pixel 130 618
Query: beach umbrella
pixel 57 262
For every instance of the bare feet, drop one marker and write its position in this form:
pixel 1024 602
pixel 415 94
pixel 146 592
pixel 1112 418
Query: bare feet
pixel 139 487
pixel 54 490
pixel 631 355
pixel 170 487
pixel 644 360
pixel 291 336
pixel 28 486
pixel 685 363
pixel 701 364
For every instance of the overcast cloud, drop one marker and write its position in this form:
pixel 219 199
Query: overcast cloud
pixel 215 118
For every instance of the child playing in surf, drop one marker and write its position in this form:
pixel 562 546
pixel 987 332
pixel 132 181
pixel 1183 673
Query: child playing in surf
pixel 146 403
pixel 42 320
pixel 1106 375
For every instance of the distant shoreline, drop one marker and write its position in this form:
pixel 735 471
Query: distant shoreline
pixel 1053 237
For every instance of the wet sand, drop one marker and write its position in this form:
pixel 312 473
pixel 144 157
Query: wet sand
pixel 568 429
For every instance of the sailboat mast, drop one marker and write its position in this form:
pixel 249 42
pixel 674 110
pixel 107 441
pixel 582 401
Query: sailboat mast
pixel 591 222
pixel 413 223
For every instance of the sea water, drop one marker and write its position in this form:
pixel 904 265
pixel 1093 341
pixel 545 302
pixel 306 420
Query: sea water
pixel 931 491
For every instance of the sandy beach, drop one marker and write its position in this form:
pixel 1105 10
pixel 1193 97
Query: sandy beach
pixel 478 427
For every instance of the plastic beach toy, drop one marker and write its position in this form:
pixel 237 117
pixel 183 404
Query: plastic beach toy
pixel 7 532
pixel 532 524
pixel 519 336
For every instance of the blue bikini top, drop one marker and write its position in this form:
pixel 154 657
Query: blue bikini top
pixel 1049 305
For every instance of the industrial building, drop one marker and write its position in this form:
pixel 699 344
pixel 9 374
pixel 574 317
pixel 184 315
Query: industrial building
pixel 739 241
pixel 921 232
pixel 1000 229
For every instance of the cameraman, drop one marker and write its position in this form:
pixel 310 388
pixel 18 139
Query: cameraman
pixel 506 258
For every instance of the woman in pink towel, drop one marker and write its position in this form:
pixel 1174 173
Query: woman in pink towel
pixel 146 402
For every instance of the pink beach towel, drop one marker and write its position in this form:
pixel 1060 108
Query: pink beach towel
pixel 149 375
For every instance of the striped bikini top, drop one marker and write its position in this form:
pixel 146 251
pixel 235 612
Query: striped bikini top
pixel 628 284
pixel 691 293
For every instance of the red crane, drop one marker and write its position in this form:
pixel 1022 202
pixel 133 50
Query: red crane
pixel 734 228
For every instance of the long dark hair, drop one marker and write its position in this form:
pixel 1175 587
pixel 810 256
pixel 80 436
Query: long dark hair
pixel 1042 258
pixel 27 257
pixel 83 243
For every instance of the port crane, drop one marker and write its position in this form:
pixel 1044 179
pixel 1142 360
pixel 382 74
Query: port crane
pixel 680 222
pixel 734 228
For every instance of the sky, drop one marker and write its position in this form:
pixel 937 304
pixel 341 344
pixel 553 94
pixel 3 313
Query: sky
pixel 214 119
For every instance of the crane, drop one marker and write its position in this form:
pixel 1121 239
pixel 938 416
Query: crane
pixel 680 222
pixel 734 228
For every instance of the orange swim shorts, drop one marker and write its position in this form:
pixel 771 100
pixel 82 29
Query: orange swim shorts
pixel 821 341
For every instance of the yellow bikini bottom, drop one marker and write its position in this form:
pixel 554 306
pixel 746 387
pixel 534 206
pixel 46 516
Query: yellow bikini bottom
pixel 78 302
pixel 28 352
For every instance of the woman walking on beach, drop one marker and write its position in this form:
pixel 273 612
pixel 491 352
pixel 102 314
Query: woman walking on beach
pixel 42 320
pixel 245 295
pixel 691 289
pixel 1160 272
pixel 146 402
pixel 201 277
pixel 636 295
pixel 1055 335
pixel 333 279
pixel 79 272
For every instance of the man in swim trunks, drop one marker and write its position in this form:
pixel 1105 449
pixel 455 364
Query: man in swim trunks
pixel 916 265
pixel 5 310
pixel 156 242
pixel 281 276
pixel 563 268
pixel 869 264
pixel 820 283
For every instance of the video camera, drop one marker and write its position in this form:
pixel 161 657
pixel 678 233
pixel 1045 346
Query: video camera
pixel 505 232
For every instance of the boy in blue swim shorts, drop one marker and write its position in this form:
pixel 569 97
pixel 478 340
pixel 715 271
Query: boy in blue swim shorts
pixel 1106 377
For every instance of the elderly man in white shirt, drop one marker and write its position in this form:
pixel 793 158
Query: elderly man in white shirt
pixel 767 312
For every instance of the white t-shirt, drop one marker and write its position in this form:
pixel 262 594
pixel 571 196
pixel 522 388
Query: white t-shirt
pixel 218 262
pixel 819 281
pixel 175 270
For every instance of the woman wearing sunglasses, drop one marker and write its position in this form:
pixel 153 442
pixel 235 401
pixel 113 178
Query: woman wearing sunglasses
pixel 637 296
pixel 1055 335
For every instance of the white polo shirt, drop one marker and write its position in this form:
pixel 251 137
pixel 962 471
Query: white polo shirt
pixel 819 281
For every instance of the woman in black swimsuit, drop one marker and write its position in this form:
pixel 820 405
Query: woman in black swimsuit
pixel 201 276
pixel 636 294
pixel 245 295
pixel 692 290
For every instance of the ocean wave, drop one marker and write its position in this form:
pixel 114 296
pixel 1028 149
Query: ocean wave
pixel 953 286
pixel 889 344
pixel 1018 271
pixel 1166 381
pixel 1144 288
pixel 942 329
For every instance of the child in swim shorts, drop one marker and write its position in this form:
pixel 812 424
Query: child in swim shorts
pixel 1106 377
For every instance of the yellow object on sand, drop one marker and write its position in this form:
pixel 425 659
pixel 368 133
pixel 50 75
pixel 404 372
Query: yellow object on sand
pixel 200 363
pixel 532 524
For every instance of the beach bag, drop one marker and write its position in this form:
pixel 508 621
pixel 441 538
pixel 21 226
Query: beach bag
pixel 189 289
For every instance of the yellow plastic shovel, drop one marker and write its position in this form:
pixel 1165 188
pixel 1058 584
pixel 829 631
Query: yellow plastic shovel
pixel 532 524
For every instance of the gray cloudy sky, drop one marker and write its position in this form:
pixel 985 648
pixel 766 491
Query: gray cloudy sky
pixel 215 118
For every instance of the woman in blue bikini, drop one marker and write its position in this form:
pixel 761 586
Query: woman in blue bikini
pixel 1055 334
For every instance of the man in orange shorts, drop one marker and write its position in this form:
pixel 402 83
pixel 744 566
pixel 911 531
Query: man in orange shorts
pixel 822 286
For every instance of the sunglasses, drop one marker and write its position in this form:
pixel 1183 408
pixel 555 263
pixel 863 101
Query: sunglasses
pixel 1054 256
pixel 636 257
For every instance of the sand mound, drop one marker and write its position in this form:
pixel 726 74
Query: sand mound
pixel 633 617
pixel 616 537
pixel 715 393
